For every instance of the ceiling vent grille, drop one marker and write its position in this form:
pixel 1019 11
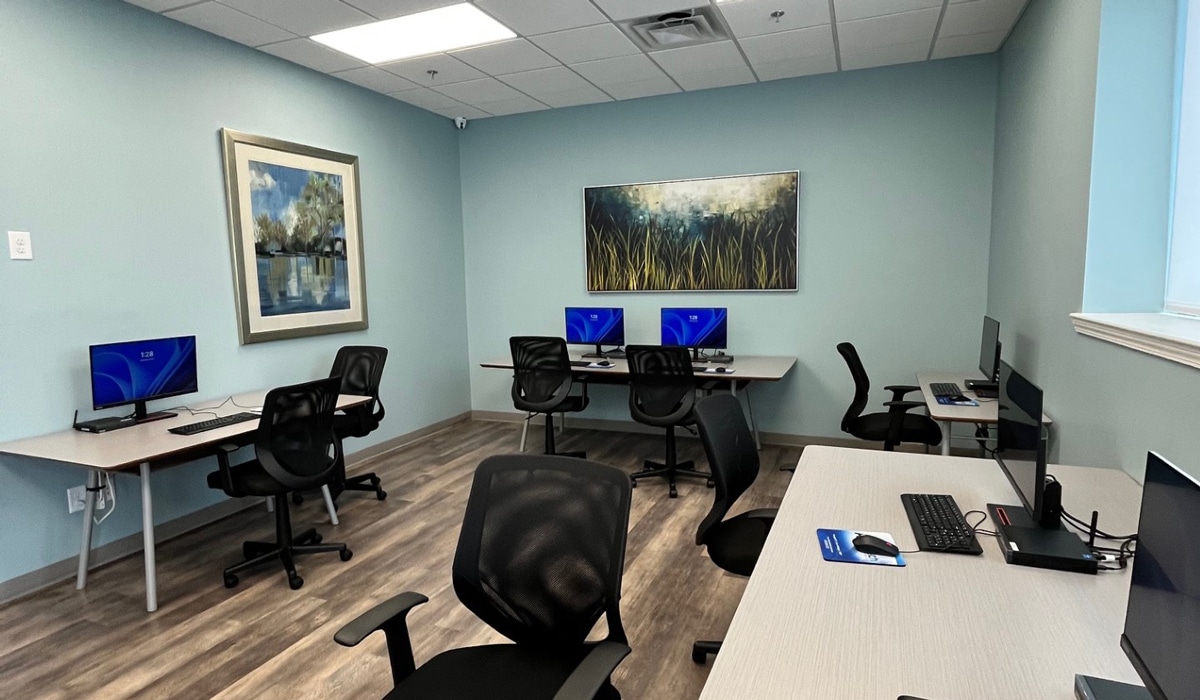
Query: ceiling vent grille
pixel 676 29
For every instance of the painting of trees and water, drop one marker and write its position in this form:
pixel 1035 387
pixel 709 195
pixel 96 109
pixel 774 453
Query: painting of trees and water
pixel 724 233
pixel 299 239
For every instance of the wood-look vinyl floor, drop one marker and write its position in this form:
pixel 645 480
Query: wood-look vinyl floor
pixel 263 640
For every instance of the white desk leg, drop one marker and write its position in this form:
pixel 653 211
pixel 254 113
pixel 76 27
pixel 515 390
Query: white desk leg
pixel 753 424
pixel 148 539
pixel 525 430
pixel 946 437
pixel 270 504
pixel 329 504
pixel 85 546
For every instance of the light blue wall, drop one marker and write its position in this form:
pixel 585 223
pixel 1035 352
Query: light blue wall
pixel 1129 211
pixel 109 119
pixel 1110 404
pixel 895 167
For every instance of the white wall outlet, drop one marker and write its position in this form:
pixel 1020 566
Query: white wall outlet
pixel 75 498
pixel 20 245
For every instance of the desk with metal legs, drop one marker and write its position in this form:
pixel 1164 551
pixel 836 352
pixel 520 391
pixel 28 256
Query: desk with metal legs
pixel 137 450
pixel 984 414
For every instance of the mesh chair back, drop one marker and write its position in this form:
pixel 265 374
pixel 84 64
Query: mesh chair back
pixel 295 442
pixel 662 388
pixel 732 454
pixel 542 548
pixel 361 370
pixel 862 384
pixel 541 372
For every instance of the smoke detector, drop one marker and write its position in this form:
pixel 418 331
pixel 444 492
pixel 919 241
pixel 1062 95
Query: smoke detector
pixel 676 29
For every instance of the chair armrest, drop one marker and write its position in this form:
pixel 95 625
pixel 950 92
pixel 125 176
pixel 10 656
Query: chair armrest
pixel 388 616
pixel 902 406
pixel 591 673
pixel 899 390
pixel 223 452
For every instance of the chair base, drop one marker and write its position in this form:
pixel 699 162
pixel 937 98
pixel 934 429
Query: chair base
pixel 701 650
pixel 257 553
pixel 362 482
pixel 669 472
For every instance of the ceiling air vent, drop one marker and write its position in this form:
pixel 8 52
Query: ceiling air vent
pixel 676 29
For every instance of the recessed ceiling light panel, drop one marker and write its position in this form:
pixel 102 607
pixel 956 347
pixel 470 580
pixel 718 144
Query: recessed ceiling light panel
pixel 435 31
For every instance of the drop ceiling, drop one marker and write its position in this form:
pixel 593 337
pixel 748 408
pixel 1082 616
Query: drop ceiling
pixel 573 52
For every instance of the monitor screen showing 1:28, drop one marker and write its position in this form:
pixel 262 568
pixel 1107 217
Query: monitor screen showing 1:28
pixel 142 370
pixel 695 327
pixel 595 326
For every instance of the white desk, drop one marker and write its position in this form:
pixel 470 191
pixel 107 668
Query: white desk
pixel 139 448
pixel 983 414
pixel 946 626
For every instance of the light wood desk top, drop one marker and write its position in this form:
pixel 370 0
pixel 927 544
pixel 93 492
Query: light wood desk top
pixel 985 412
pixel 126 448
pixel 946 626
pixel 756 368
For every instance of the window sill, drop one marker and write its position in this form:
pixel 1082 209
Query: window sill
pixel 1169 336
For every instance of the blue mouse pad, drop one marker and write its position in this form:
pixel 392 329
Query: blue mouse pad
pixel 946 401
pixel 838 545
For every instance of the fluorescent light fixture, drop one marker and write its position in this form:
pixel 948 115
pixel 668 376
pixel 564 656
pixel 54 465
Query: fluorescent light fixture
pixel 434 31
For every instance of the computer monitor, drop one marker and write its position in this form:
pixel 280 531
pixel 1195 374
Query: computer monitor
pixel 989 349
pixel 138 371
pixel 1162 620
pixel 1020 449
pixel 595 326
pixel 695 328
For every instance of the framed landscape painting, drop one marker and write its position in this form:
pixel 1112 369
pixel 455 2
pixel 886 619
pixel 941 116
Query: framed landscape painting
pixel 296 238
pixel 711 234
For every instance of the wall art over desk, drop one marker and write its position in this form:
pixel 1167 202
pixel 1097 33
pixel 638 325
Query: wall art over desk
pixel 710 234
pixel 296 237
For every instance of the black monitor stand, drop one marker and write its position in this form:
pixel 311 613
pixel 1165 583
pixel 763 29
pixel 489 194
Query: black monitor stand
pixel 1092 688
pixel 1045 545
pixel 141 416
pixel 615 354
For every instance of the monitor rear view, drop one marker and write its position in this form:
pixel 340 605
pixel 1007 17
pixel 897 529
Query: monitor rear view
pixel 1020 451
pixel 1162 621
pixel 595 326
pixel 695 328
pixel 138 371
pixel 989 349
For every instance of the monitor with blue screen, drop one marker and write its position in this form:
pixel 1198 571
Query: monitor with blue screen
pixel 695 328
pixel 596 326
pixel 138 371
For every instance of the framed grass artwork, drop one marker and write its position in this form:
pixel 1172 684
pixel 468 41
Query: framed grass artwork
pixel 733 233
pixel 295 237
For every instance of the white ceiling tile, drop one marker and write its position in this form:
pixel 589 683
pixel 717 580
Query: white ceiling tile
pixel 642 88
pixel 425 98
pixel 540 16
pixel 980 16
pixel 571 98
pixel 449 70
pixel 231 24
pixel 160 5
pixel 796 67
pixel 517 105
pixel 461 110
pixel 847 10
pixel 475 91
pixel 309 53
pixel 875 32
pixel 388 9
pixel 512 56
pixel 587 44
pixel 720 77
pixel 303 17
pixel 537 83
pixel 375 79
pixel 753 17
pixel 951 46
pixel 885 55
pixel 705 57
pixel 615 71
pixel 782 46
pixel 630 9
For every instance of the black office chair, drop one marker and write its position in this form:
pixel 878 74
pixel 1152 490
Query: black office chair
pixel 733 544
pixel 662 393
pixel 542 382
pixel 539 559
pixel 295 449
pixel 891 428
pixel 361 368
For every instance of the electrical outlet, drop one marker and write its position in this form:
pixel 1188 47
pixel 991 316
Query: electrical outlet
pixel 75 498
pixel 20 245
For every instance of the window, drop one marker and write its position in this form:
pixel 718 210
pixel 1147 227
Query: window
pixel 1183 274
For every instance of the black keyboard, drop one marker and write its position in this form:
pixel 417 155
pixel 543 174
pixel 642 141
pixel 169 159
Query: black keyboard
pixel 945 389
pixel 212 423
pixel 938 524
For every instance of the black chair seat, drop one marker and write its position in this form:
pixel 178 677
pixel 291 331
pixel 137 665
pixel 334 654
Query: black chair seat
pixel 497 672
pixel 250 479
pixel 734 544
pixel 347 426
pixel 914 428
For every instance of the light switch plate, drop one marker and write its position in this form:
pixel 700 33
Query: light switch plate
pixel 20 245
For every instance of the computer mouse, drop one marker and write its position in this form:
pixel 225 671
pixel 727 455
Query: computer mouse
pixel 870 544
pixel 720 370
pixel 604 363
pixel 959 397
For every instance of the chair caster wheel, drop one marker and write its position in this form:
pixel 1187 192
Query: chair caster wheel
pixel 297 499
pixel 632 483
pixel 673 493
pixel 381 494
pixel 295 582
pixel 345 554
pixel 711 483
pixel 698 656
pixel 230 580
pixel 316 538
